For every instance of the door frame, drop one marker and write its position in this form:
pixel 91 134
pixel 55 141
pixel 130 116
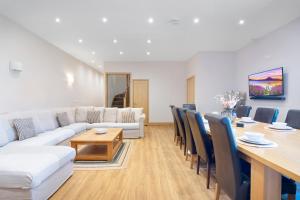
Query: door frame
pixel 106 84
pixel 187 90
pixel 147 114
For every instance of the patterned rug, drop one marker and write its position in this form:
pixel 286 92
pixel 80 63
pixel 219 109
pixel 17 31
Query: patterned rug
pixel 119 162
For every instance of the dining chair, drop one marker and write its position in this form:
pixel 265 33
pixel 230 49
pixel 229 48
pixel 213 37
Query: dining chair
pixel 203 142
pixel 176 131
pixel 181 129
pixel 293 118
pixel 229 175
pixel 242 111
pixel 266 115
pixel 190 144
pixel 189 106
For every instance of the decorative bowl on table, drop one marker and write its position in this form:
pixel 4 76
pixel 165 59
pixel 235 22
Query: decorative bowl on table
pixel 254 136
pixel 100 131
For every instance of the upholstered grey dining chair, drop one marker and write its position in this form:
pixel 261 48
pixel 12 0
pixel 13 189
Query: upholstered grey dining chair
pixel 176 131
pixel 266 115
pixel 189 106
pixel 293 118
pixel 203 142
pixel 181 129
pixel 242 111
pixel 190 144
pixel 229 176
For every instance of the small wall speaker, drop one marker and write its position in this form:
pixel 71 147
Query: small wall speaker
pixel 16 66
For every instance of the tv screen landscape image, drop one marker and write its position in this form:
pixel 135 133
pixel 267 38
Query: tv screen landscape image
pixel 267 83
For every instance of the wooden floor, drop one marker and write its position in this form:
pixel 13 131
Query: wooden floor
pixel 156 170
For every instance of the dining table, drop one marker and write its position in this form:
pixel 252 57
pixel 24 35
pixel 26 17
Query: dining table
pixel 268 165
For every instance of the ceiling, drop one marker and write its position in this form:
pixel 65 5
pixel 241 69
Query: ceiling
pixel 218 28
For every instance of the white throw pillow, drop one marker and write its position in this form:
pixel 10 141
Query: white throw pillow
pixel 47 121
pixel 120 111
pixel 110 115
pixel 5 131
pixel 101 109
pixel 81 114
pixel 138 112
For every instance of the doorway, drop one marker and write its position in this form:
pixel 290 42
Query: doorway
pixel 141 96
pixel 117 90
pixel 191 90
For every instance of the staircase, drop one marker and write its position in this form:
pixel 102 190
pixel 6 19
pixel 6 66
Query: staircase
pixel 118 100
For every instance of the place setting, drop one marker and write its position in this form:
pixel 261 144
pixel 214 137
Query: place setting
pixel 280 127
pixel 256 139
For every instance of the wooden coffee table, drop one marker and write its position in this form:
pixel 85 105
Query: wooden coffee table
pixel 90 146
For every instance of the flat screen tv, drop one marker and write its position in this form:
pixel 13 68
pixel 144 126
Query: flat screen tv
pixel 268 84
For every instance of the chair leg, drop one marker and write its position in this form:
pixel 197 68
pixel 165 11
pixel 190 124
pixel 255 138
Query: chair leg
pixel 192 161
pixel 291 197
pixel 185 152
pixel 186 156
pixel 208 174
pixel 218 189
pixel 180 145
pixel 198 164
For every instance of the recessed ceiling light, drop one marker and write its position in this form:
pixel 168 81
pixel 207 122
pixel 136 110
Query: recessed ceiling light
pixel 196 20
pixel 93 52
pixel 149 41
pixel 150 20
pixel 241 22
pixel 148 53
pixel 104 19
pixel 115 41
pixel 80 40
pixel 57 20
pixel 121 52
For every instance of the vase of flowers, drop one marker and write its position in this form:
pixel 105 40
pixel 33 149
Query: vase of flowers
pixel 228 101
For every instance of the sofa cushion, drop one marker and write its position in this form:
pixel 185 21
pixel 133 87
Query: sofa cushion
pixel 120 111
pixel 25 128
pixel 128 117
pixel 81 113
pixel 6 132
pixel 28 167
pixel 77 127
pixel 125 126
pixel 48 138
pixel 110 115
pixel 101 109
pixel 138 112
pixel 63 119
pixel 94 117
pixel 46 121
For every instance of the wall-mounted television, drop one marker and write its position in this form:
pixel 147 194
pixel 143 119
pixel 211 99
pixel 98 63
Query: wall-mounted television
pixel 267 85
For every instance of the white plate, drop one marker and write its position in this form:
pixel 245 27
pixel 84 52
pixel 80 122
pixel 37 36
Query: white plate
pixel 259 142
pixel 252 121
pixel 100 130
pixel 281 128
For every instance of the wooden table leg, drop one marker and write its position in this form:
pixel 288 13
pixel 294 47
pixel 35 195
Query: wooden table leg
pixel 110 155
pixel 265 182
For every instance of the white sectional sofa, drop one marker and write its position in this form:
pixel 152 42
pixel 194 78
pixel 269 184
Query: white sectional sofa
pixel 36 167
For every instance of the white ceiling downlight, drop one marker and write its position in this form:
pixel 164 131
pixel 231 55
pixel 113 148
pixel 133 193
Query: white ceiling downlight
pixel 80 41
pixel 149 41
pixel 241 22
pixel 121 52
pixel 57 20
pixel 104 20
pixel 196 20
pixel 150 20
pixel 148 53
pixel 115 41
pixel 93 52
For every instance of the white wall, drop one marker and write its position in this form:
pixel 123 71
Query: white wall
pixel 280 48
pixel 43 83
pixel 214 74
pixel 167 84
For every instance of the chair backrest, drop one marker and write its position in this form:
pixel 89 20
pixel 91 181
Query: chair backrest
pixel 293 119
pixel 179 123
pixel 266 115
pixel 174 119
pixel 242 111
pixel 201 138
pixel 189 106
pixel 190 144
pixel 228 170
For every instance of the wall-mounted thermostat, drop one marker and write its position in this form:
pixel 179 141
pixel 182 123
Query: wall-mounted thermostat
pixel 16 66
